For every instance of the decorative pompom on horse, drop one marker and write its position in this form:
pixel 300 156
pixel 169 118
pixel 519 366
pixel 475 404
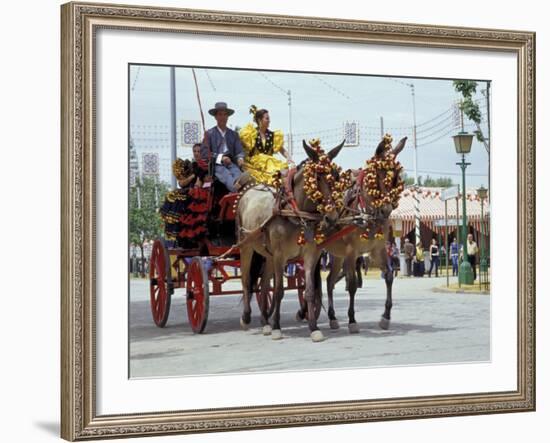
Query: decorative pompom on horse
pixel 384 162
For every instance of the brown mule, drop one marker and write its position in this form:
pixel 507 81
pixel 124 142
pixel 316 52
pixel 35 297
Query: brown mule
pixel 347 249
pixel 278 243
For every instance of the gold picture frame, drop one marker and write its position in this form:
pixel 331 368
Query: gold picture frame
pixel 80 21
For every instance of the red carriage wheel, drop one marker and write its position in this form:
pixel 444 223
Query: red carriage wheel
pixel 161 287
pixel 198 295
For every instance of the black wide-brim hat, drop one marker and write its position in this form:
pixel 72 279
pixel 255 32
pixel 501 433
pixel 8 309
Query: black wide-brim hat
pixel 221 106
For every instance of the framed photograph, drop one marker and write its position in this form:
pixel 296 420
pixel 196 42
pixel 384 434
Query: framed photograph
pixel 386 150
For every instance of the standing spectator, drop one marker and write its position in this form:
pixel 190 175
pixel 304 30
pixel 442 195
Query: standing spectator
pixel 434 258
pixel 454 256
pixel 409 255
pixel 395 259
pixel 472 252
pixel 290 270
pixel 442 252
pixel 418 266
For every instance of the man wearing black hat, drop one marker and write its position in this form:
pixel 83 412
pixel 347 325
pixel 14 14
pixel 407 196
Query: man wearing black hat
pixel 225 147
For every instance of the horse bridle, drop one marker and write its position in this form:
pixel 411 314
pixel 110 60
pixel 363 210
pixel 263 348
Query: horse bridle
pixel 357 204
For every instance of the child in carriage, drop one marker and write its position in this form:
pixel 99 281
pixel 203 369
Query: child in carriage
pixel 185 209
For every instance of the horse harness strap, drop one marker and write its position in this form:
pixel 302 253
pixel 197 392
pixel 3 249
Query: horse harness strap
pixel 250 235
pixel 289 189
pixel 337 235
pixel 356 202
pixel 300 214
pixel 287 196
pixel 360 199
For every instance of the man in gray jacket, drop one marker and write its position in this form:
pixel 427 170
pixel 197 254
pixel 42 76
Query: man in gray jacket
pixel 223 146
pixel 408 248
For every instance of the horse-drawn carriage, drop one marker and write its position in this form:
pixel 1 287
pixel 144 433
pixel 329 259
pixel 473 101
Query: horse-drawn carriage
pixel 315 207
pixel 203 271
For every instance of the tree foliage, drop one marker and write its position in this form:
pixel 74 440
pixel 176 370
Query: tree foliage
pixel 144 220
pixel 439 182
pixel 468 105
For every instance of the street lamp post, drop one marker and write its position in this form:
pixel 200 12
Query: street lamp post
pixel 463 145
pixel 483 268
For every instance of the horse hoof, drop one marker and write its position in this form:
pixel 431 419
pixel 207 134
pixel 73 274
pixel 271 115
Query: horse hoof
pixel 299 316
pixel 244 325
pixel 266 330
pixel 384 323
pixel 353 328
pixel 276 334
pixel 317 336
pixel 334 324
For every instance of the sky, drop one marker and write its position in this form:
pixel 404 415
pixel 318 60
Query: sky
pixel 321 103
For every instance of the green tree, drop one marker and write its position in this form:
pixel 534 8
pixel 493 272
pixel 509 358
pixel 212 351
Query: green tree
pixel 145 223
pixel 470 107
pixel 409 181
pixel 440 182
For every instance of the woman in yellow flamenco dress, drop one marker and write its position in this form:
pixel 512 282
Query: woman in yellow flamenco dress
pixel 260 146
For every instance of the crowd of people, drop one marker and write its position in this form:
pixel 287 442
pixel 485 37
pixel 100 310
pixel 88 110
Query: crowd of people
pixel 415 259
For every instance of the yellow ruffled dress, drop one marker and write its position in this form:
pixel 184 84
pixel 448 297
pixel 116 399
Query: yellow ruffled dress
pixel 259 158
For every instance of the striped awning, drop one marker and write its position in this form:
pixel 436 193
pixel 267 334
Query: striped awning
pixel 432 209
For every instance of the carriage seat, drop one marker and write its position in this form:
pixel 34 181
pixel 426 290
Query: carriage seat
pixel 227 210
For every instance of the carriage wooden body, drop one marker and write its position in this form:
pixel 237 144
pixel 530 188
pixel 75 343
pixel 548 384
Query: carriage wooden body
pixel 202 272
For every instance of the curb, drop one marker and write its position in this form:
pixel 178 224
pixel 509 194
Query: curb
pixel 459 291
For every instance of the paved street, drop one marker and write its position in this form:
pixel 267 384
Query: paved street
pixel 427 327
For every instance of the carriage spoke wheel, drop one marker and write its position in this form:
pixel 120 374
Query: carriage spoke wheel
pixel 198 295
pixel 160 283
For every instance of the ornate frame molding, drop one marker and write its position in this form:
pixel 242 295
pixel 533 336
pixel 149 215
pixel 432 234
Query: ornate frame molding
pixel 79 22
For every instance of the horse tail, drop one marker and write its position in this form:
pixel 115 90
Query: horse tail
pixel 256 269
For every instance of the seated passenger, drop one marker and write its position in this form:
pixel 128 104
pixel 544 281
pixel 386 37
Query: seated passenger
pixel 173 206
pixel 260 145
pixel 223 147
pixel 185 210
